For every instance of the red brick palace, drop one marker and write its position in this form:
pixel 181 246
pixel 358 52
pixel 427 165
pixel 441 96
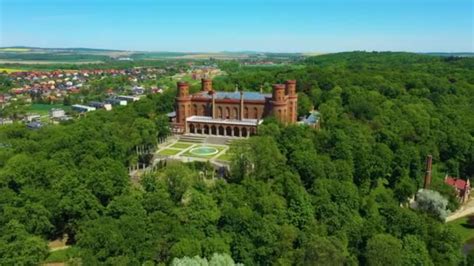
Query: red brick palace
pixel 236 114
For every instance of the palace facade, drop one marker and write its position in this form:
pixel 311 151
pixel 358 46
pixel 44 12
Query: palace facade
pixel 236 114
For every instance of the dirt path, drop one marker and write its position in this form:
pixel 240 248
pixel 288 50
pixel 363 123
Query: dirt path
pixel 465 210
pixel 59 248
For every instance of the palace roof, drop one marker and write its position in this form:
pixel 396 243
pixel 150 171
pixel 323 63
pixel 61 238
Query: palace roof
pixel 210 120
pixel 248 95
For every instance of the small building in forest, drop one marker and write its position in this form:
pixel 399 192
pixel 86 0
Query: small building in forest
pixel 462 187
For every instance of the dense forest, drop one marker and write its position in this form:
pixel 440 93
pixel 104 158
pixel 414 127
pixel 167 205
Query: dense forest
pixel 294 195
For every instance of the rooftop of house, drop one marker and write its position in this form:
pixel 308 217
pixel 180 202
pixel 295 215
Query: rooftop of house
pixel 34 125
pixel 312 118
pixel 456 182
pixel 248 95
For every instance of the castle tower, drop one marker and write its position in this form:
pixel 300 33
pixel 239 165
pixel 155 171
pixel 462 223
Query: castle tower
pixel 183 104
pixel 279 103
pixel 206 84
pixel 290 90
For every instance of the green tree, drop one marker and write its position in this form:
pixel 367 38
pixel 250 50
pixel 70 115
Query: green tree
pixel 17 247
pixel 304 104
pixel 383 249
pixel 414 252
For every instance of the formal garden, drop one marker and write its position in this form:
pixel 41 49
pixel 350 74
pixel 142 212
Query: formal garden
pixel 186 150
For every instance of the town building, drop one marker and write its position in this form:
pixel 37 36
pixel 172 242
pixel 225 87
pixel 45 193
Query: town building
pixel 115 101
pixel 462 187
pixel 32 117
pixel 56 113
pixel 101 105
pixel 128 98
pixel 34 125
pixel 82 108
pixel 137 90
pixel 236 114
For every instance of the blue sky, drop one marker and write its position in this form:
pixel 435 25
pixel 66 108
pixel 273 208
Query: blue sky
pixel 236 25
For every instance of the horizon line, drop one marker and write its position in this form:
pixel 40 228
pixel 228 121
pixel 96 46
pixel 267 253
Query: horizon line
pixel 235 51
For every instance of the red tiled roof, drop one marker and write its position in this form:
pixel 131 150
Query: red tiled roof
pixel 456 182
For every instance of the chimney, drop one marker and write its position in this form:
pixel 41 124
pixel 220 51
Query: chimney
pixel 427 183
pixel 206 84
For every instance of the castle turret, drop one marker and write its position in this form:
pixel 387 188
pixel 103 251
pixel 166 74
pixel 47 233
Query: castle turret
pixel 206 84
pixel 279 104
pixel 290 89
pixel 183 104
pixel 183 89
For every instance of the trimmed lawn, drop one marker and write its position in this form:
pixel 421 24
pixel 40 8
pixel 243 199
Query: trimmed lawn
pixel 225 157
pixel 182 145
pixel 463 227
pixel 169 152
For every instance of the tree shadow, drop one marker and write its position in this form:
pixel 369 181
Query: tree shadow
pixel 469 223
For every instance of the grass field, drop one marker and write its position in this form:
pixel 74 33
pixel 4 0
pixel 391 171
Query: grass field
pixel 10 70
pixel 43 109
pixel 463 227
pixel 169 152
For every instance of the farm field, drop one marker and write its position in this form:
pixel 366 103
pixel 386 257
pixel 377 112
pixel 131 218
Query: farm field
pixel 14 49
pixel 46 62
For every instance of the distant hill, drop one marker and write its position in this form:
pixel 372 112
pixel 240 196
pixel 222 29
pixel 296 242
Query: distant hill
pixel 40 49
pixel 466 54
pixel 27 55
